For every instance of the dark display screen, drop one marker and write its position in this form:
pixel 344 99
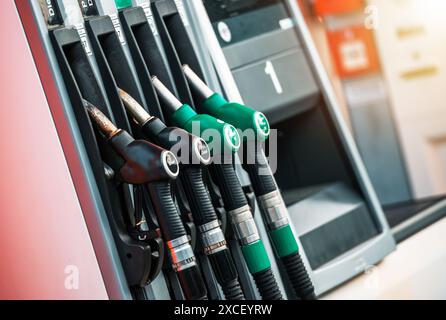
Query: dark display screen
pixel 238 20
pixel 223 9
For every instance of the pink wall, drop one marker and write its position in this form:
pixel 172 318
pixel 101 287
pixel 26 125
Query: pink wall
pixel 42 227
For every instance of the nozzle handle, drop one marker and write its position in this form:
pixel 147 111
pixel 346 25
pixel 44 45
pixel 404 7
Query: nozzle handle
pixel 144 161
pixel 211 129
pixel 240 116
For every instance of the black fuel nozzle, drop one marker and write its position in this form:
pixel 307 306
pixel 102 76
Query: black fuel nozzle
pixel 144 162
pixel 190 149
pixel 153 167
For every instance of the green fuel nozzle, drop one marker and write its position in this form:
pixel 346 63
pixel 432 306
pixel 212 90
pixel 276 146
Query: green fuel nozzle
pixel 274 211
pixel 212 130
pixel 122 4
pixel 240 116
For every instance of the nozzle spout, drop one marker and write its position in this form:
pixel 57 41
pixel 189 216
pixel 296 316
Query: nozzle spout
pixel 196 83
pixel 138 113
pixel 166 96
pixel 102 122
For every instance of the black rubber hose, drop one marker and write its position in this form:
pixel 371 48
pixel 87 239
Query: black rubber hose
pixel 226 274
pixel 203 212
pixel 172 228
pixel 260 174
pixel 166 211
pixel 234 198
pixel 267 285
pixel 197 195
pixel 233 291
pixel 192 284
pixel 263 182
pixel 299 277
pixel 229 185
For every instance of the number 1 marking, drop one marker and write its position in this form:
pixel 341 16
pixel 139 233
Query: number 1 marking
pixel 269 70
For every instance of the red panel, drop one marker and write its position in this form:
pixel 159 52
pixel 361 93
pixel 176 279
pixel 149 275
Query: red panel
pixel 353 51
pixel 335 7
pixel 43 235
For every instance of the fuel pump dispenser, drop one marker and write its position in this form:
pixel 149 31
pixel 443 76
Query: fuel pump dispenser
pixel 130 83
pixel 244 226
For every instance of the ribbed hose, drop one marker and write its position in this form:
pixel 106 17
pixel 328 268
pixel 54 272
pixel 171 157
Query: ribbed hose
pixel 197 195
pixel 230 187
pixel 203 212
pixel 233 291
pixel 267 285
pixel 260 174
pixel 234 198
pixel 226 274
pixel 263 183
pixel 166 211
pixel 172 227
pixel 298 276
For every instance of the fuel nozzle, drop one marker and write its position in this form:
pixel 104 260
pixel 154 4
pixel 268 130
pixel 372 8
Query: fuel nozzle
pixel 214 131
pixel 215 104
pixel 144 162
pixel 194 148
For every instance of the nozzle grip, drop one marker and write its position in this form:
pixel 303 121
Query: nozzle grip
pixel 208 128
pixel 240 116
pixel 144 161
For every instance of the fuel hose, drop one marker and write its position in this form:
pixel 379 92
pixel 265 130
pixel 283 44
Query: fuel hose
pixel 274 211
pixel 242 221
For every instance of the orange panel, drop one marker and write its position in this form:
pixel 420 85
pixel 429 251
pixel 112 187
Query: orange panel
pixel 353 51
pixel 334 7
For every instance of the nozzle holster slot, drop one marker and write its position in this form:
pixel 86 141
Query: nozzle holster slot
pixel 115 68
pixel 166 15
pixel 137 256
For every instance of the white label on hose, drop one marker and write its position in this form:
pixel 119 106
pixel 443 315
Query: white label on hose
pixel 149 16
pixel 182 12
pixel 115 19
pixel 83 35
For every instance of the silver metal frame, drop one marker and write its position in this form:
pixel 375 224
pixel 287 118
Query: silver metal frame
pixel 360 258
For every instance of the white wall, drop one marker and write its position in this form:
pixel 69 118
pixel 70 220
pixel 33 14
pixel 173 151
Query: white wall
pixel 415 70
